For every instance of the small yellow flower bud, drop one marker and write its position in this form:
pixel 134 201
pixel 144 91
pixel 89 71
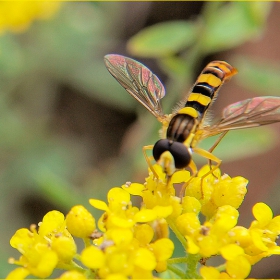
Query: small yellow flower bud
pixel 80 222
pixel 65 247
pixel 93 257
pixel 240 235
pixel 191 205
pixel 163 249
pixel 145 259
pixel 143 233
pixel 188 223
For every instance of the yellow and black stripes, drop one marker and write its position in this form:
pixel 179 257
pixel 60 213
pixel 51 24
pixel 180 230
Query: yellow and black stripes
pixel 207 85
pixel 202 94
pixel 183 125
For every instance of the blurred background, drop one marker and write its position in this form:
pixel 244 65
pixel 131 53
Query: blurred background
pixel 70 132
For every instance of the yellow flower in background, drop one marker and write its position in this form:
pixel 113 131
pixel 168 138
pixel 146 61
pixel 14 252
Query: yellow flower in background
pixel 16 16
pixel 44 250
pixel 132 242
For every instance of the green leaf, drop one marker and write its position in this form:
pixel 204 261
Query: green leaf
pixel 163 39
pixel 261 77
pixel 242 143
pixel 233 24
pixel 174 66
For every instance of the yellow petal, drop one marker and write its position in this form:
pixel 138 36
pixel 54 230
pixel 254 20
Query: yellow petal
pixel 145 259
pixel 65 248
pixel 180 177
pixel 240 235
pixel 121 222
pixel 118 195
pixel 22 238
pixel 191 204
pixel 72 275
pixel 161 266
pixel 18 273
pixel 274 225
pixel 99 204
pixel 262 213
pixel 192 248
pixel 238 268
pixel 145 215
pixel 209 245
pixel 52 221
pixel 163 249
pixel 209 272
pixel 163 211
pixel 143 233
pixel 256 235
pixel 116 276
pixel 120 236
pixel 188 224
pixel 46 265
pixel 134 188
pixel 231 251
pixel 275 250
pixel 93 257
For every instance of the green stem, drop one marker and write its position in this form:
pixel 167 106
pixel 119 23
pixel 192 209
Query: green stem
pixel 176 270
pixel 87 242
pixel 180 237
pixel 71 266
pixel 192 262
pixel 221 267
pixel 177 260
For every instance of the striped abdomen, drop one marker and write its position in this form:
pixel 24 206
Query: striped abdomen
pixel 202 94
pixel 182 127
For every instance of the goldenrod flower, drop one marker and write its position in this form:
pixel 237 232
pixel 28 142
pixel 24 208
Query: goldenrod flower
pixel 131 242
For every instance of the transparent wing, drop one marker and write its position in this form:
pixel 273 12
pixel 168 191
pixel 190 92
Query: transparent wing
pixel 247 113
pixel 138 81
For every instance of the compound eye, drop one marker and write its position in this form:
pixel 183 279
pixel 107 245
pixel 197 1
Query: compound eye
pixel 181 155
pixel 160 147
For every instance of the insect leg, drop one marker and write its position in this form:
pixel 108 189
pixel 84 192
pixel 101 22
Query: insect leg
pixel 215 145
pixel 193 168
pixel 210 157
pixel 218 141
pixel 149 158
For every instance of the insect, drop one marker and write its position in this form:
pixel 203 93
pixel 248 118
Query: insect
pixel 186 126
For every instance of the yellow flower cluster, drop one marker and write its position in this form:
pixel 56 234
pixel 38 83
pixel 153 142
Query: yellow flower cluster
pixel 133 242
pixel 43 251
pixel 16 16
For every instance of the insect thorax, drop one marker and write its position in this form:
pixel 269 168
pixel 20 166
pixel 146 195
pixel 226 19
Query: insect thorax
pixel 180 127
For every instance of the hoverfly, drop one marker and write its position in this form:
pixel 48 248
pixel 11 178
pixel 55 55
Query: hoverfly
pixel 185 127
